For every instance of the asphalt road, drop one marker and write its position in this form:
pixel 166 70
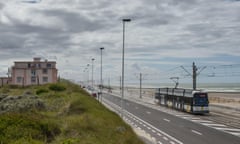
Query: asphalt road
pixel 165 126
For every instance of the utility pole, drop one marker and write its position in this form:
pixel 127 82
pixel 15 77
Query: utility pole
pixel 109 88
pixel 194 76
pixel 140 85
pixel 195 73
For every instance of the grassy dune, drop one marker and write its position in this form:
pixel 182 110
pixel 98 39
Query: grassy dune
pixel 71 117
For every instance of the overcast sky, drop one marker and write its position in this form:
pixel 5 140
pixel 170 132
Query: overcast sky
pixel 163 38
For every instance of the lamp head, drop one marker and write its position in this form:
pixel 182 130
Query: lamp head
pixel 126 20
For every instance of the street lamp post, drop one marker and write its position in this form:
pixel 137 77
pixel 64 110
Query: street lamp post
pixel 88 74
pixel 86 71
pixel 123 21
pixel 92 72
pixel 101 87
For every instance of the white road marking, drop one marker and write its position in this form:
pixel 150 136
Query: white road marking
pixel 171 142
pixel 148 112
pixel 229 129
pixel 212 124
pixel 165 138
pixel 235 133
pixel 187 117
pixel 159 142
pixel 153 131
pixel 196 132
pixel 182 115
pixel 202 121
pixel 167 120
pixel 195 118
pixel 159 134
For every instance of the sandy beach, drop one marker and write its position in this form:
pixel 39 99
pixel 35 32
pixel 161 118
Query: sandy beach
pixel 226 100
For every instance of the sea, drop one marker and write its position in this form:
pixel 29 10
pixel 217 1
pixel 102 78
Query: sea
pixel 210 87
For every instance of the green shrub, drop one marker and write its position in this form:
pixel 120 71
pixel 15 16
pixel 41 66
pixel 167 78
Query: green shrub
pixel 57 87
pixel 71 141
pixel 5 90
pixel 14 86
pixel 40 91
pixel 32 127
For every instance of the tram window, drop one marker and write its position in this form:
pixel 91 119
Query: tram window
pixel 200 98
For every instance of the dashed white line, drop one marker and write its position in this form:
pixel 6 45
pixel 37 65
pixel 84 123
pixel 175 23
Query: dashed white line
pixel 196 132
pixel 202 121
pixel 195 118
pixel 159 142
pixel 218 125
pixel 189 118
pixel 165 138
pixel 167 120
pixel 159 134
pixel 171 142
pixel 148 112
pixel 228 129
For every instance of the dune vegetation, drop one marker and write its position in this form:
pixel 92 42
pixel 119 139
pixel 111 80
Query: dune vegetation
pixel 69 116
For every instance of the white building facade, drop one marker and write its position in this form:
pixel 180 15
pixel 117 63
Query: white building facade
pixel 34 72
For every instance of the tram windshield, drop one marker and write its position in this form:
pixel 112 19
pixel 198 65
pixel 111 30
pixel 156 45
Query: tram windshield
pixel 200 99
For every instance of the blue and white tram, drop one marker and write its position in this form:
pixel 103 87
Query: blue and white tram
pixel 192 101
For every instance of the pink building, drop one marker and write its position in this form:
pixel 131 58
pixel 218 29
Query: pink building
pixel 34 72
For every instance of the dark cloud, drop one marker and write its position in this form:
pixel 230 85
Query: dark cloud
pixel 75 22
pixel 93 4
pixel 1 5
pixel 11 42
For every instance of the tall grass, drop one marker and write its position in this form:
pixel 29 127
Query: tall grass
pixel 72 117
